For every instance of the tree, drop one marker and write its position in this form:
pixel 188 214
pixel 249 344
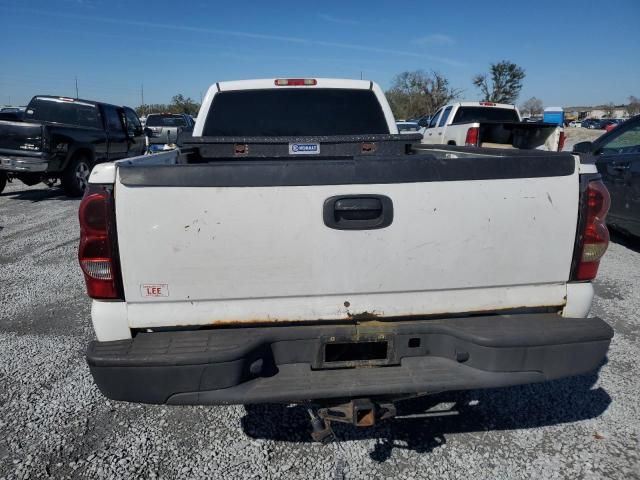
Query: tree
pixel 504 84
pixel 634 106
pixel 152 108
pixel 532 107
pixel 608 109
pixel 418 93
pixel 179 104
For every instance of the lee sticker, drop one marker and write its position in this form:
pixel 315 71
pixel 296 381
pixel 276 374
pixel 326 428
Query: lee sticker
pixel 154 290
pixel 304 148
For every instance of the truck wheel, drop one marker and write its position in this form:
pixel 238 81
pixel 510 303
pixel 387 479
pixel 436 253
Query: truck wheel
pixel 3 181
pixel 75 178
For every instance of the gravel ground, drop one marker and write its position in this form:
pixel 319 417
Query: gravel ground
pixel 575 135
pixel 54 422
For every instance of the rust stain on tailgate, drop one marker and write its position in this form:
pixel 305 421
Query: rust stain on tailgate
pixel 374 319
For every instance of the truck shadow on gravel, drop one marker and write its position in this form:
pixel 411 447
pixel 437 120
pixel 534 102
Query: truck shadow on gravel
pixel 479 413
pixel 39 195
pixel 626 240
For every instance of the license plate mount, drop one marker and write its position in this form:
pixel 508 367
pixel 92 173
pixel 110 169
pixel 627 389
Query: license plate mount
pixel 345 352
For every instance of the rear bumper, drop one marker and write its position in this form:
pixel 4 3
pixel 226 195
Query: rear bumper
pixel 287 363
pixel 23 162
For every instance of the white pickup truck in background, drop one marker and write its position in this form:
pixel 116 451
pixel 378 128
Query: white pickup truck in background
pixel 490 125
pixel 313 255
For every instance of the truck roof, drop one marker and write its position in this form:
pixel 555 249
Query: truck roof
pixel 484 104
pixel 167 114
pixel 266 83
pixel 75 100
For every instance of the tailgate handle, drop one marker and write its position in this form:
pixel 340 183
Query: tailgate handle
pixel 358 212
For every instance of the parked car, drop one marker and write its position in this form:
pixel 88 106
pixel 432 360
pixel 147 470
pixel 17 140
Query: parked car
pixel 613 124
pixel 162 129
pixel 423 121
pixel 11 109
pixel 603 123
pixel 590 123
pixel 12 113
pixel 618 160
pixel 575 124
pixel 326 260
pixel 491 125
pixel 408 127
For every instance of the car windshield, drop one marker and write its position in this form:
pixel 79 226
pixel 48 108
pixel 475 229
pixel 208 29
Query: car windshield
pixel 485 114
pixel 626 142
pixel 67 111
pixel 166 121
pixel 294 112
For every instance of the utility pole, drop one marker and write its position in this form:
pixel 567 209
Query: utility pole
pixel 76 87
pixel 360 74
pixel 142 97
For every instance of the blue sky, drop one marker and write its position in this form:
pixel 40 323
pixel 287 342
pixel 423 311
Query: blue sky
pixel 574 52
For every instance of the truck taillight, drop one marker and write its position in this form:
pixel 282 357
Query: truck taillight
pixel 97 251
pixel 561 141
pixel 472 137
pixel 295 82
pixel 595 236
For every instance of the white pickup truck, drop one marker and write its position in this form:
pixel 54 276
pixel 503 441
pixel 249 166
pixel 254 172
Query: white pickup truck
pixel 490 125
pixel 296 248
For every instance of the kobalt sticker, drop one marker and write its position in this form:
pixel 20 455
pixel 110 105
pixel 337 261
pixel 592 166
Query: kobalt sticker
pixel 154 290
pixel 304 148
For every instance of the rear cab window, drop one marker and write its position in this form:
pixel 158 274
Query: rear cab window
pixel 485 114
pixel 61 110
pixel 290 112
pixel 166 120
pixel 407 127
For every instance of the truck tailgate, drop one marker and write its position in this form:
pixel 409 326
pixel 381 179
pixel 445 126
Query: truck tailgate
pixel 164 134
pixel 248 241
pixel 21 136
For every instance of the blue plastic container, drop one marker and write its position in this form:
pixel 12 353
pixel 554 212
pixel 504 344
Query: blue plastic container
pixel 553 115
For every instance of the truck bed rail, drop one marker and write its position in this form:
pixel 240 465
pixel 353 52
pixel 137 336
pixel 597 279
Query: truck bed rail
pixel 204 149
